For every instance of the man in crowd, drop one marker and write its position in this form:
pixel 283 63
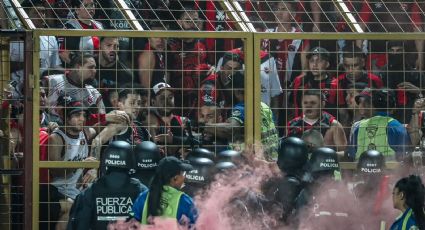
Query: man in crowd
pixel 185 54
pixel 380 132
pixel 166 127
pixel 68 143
pixel 207 114
pixel 84 12
pixel 314 117
pixel 354 64
pixel 317 76
pixel 214 89
pixel 112 73
pixel 234 125
pixel 129 101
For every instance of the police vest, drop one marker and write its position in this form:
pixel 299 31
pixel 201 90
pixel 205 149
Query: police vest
pixel 372 134
pixel 111 204
pixel 269 136
pixel 170 199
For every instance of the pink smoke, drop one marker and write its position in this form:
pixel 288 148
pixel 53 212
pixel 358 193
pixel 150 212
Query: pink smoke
pixel 217 213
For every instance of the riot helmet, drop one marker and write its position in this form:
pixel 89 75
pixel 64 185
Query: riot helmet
pixel 147 156
pixel 118 155
pixel 323 160
pixel 293 154
pixel 201 153
pixel 371 162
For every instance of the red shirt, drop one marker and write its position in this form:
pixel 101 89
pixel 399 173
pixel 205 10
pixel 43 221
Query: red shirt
pixel 339 87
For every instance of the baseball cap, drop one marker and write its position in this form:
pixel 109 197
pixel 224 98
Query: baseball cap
pixel 366 93
pixel 160 86
pixel 322 52
pixel 71 105
pixel 171 166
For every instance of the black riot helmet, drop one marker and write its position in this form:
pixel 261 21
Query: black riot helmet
pixel 118 154
pixel 371 162
pixel 323 159
pixel 228 156
pixel 201 153
pixel 383 99
pixel 147 156
pixel 202 169
pixel 293 154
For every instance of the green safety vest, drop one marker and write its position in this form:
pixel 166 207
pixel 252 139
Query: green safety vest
pixel 406 219
pixel 269 135
pixel 170 199
pixel 372 134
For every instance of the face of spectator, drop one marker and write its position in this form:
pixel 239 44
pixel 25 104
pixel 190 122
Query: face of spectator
pixel 189 20
pixel 157 43
pixel 87 71
pixel 164 101
pixel 398 199
pixel 353 67
pixel 43 98
pixel 208 114
pixel 311 106
pixel 227 70
pixel 37 15
pixel 396 49
pixel 365 108
pixel 75 122
pixel 86 10
pixel 317 65
pixel 283 12
pixel 109 48
pixel 131 105
pixel 350 98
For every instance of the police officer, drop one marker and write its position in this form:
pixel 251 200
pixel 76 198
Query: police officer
pixel 324 163
pixel 370 169
pixel 327 192
pixel 111 197
pixel 292 190
pixel 147 159
pixel 374 188
pixel 201 174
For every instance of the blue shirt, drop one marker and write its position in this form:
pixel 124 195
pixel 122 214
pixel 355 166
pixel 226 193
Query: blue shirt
pixel 410 221
pixel 398 138
pixel 186 207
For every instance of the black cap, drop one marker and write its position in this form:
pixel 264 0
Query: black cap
pixel 323 159
pixel 322 52
pixel 370 162
pixel 171 166
pixel 119 155
pixel 71 105
pixel 366 93
pixel 147 155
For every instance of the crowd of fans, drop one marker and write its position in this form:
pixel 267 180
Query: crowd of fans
pixel 351 96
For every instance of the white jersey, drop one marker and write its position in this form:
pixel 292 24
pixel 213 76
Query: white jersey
pixel 270 83
pixel 75 150
pixel 60 86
